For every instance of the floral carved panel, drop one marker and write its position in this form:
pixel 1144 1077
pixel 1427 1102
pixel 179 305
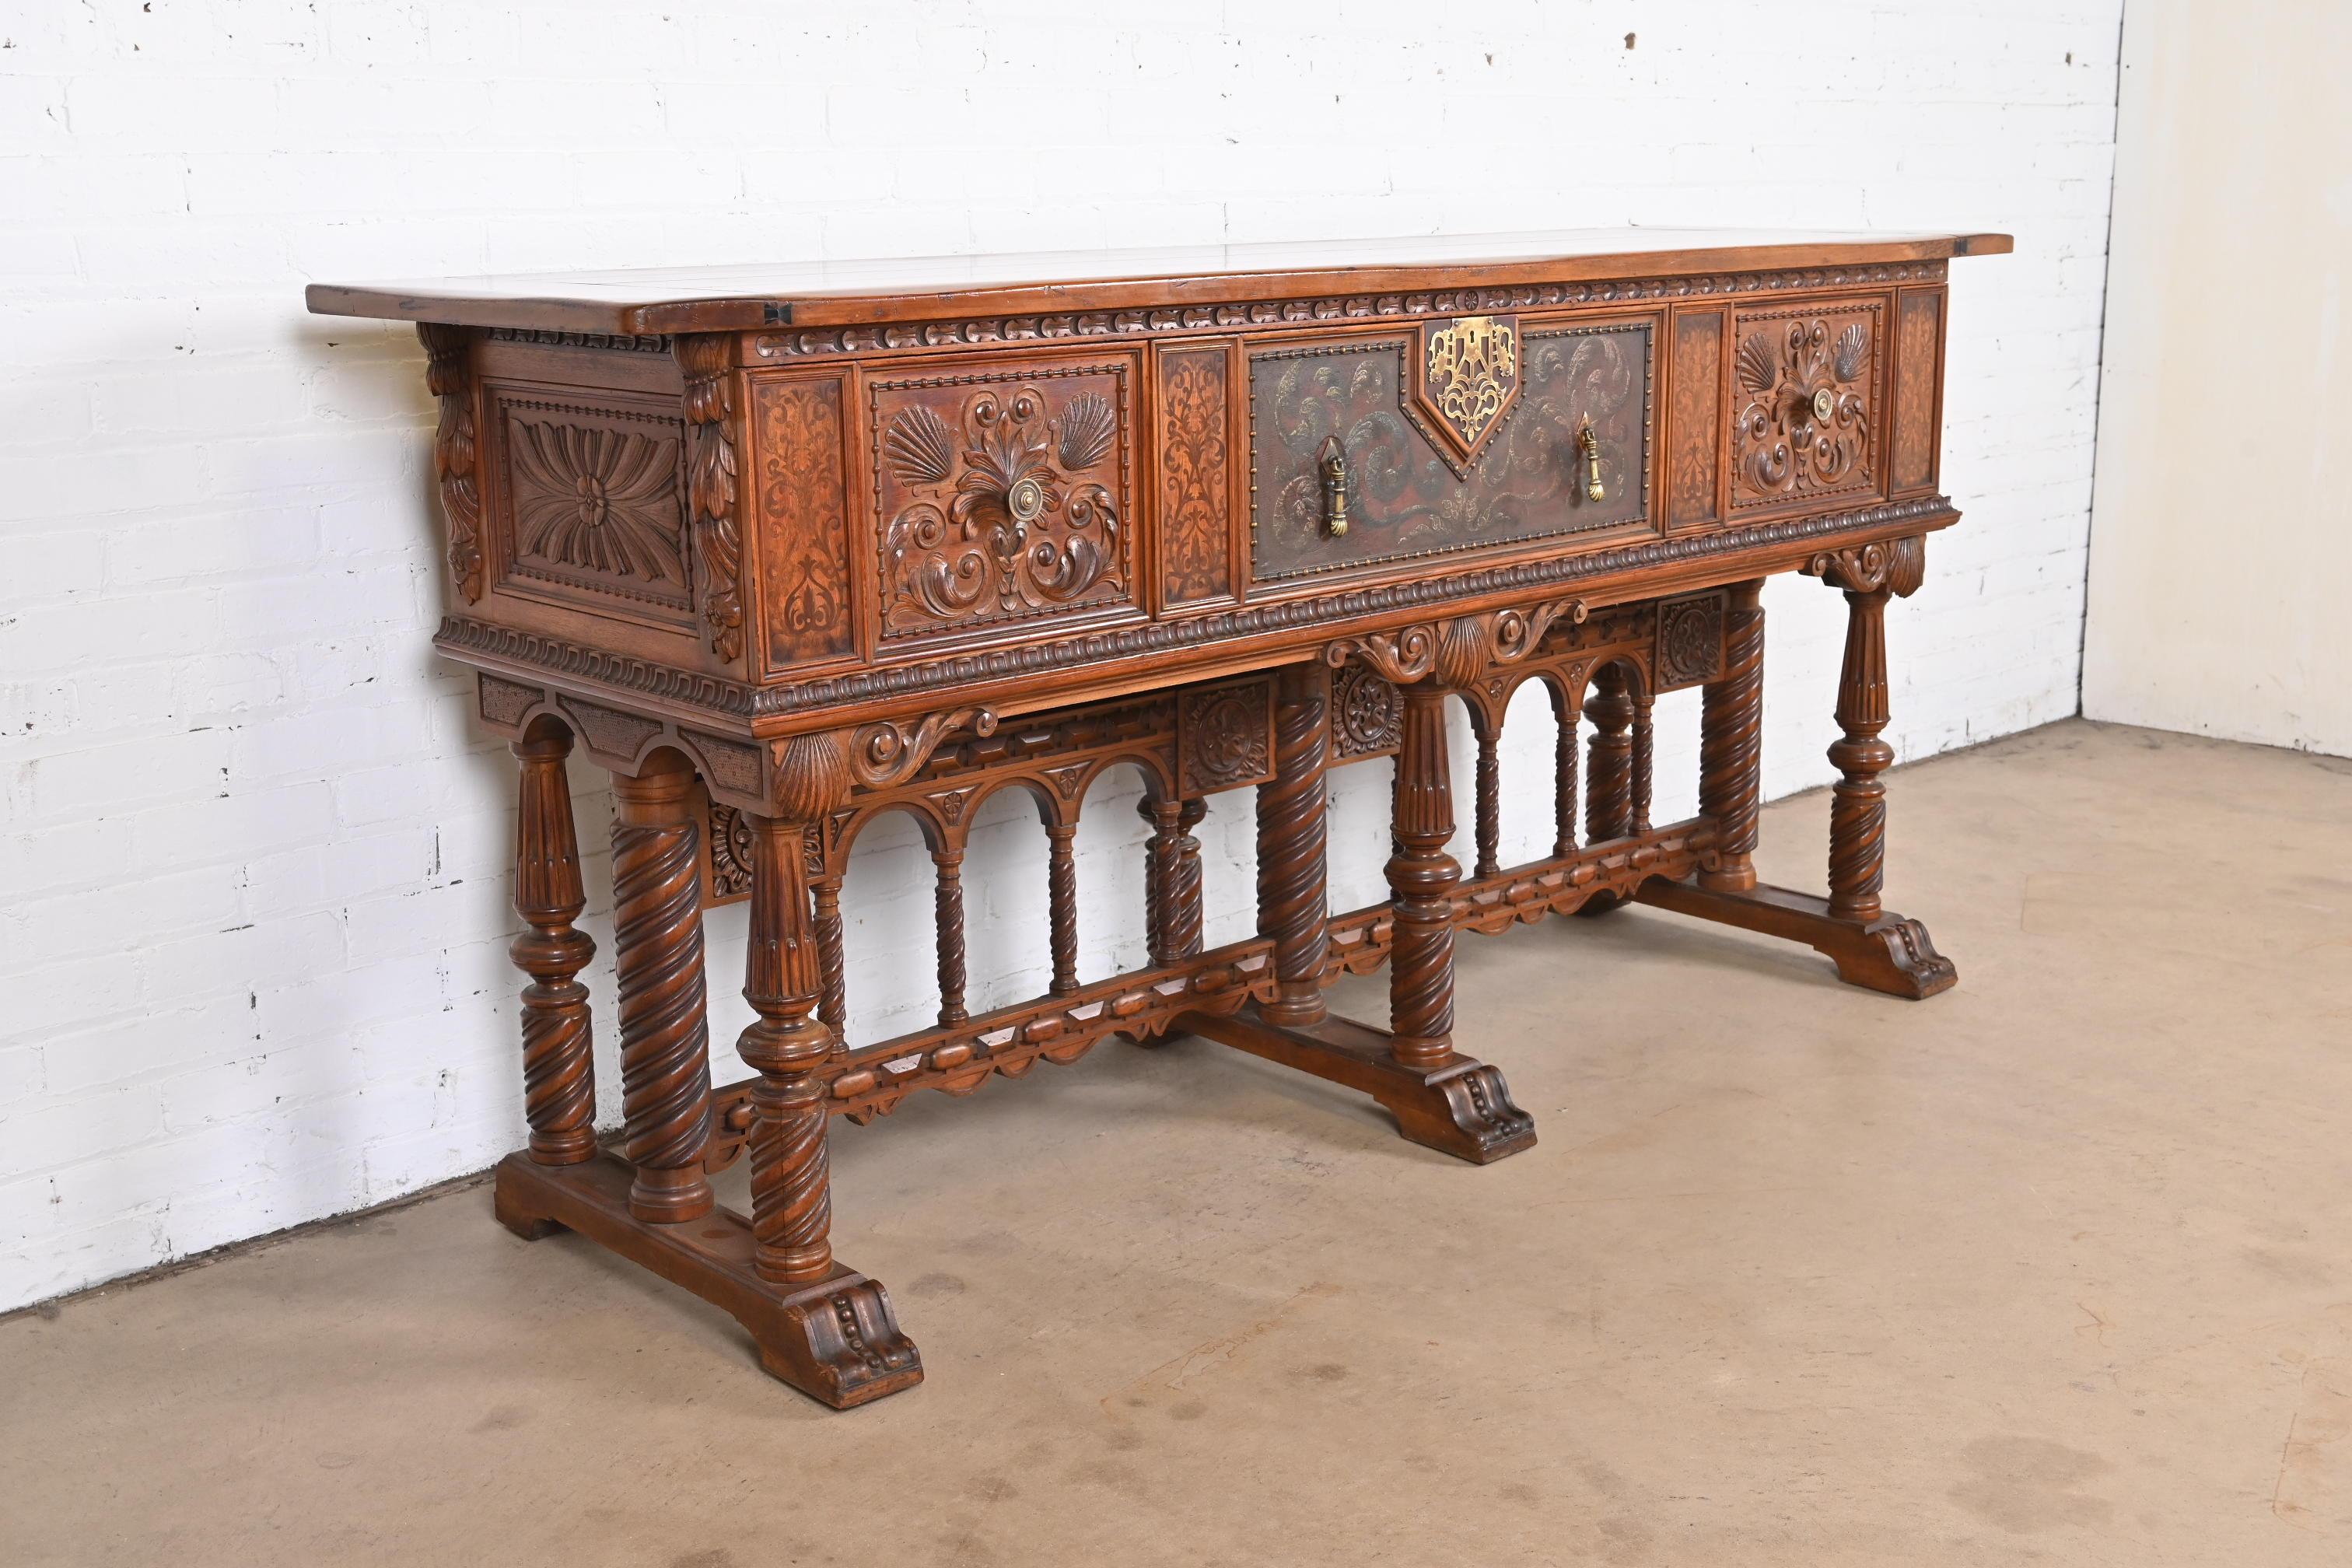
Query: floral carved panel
pixel 1695 446
pixel 1805 394
pixel 1195 476
pixel 595 504
pixel 1002 497
pixel 1920 381
pixel 803 547
pixel 1407 495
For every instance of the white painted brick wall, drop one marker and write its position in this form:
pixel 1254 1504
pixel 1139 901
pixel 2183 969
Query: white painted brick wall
pixel 253 867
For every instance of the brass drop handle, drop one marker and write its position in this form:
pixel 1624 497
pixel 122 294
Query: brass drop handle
pixel 1334 464
pixel 1588 447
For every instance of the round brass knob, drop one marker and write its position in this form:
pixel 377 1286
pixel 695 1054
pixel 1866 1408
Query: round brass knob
pixel 1824 404
pixel 1025 500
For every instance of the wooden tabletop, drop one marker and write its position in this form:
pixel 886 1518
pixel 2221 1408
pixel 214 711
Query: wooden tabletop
pixel 931 288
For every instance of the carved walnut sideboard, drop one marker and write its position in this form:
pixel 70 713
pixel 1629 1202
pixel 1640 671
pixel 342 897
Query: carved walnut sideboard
pixel 786 550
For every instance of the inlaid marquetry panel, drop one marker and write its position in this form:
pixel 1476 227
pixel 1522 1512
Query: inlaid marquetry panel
pixel 1918 387
pixel 1405 497
pixel 592 502
pixel 1196 479
pixel 1003 496
pixel 797 450
pixel 1694 420
pixel 1807 398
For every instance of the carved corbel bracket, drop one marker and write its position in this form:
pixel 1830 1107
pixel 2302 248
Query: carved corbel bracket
pixel 1452 654
pixel 892 750
pixel 1899 565
pixel 707 361
pixel 449 377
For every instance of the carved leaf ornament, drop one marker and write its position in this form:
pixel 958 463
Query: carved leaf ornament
pixel 1021 523
pixel 603 500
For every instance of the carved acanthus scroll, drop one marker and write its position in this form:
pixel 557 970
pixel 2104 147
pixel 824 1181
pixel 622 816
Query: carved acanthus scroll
pixel 708 363
pixel 449 377
pixel 1456 652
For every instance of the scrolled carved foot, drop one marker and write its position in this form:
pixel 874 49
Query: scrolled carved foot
pixel 1896 955
pixel 839 1342
pixel 1465 1111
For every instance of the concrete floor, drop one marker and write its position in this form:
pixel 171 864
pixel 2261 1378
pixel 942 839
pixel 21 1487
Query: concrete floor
pixel 2055 1267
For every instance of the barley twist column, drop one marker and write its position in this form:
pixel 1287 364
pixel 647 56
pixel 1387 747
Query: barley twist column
pixel 1422 877
pixel 1061 904
pixel 1564 791
pixel 558 1063
pixel 1180 906
pixel 1731 745
pixel 1489 735
pixel 1293 831
pixel 832 990
pixel 657 942
pixel 1609 778
pixel 948 903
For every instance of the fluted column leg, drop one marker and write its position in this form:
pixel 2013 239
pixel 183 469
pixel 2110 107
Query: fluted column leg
pixel 792 1201
pixel 1731 745
pixel 1422 877
pixel 558 1064
pixel 1293 834
pixel 665 1036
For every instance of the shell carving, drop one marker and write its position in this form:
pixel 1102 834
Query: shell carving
pixel 1852 352
pixel 1806 423
pixel 918 447
pixel 1087 426
pixel 1758 362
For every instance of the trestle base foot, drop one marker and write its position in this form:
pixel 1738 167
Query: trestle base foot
pixel 1889 954
pixel 1461 1107
pixel 834 1339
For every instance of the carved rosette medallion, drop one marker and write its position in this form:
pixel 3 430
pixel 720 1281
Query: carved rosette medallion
pixel 597 502
pixel 1806 384
pixel 1690 640
pixel 1015 510
pixel 1367 714
pixel 1225 737
pixel 1468 377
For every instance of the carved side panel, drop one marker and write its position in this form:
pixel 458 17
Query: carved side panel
pixel 1694 434
pixel 803 545
pixel 1690 640
pixel 1003 496
pixel 1224 736
pixel 1918 387
pixel 594 503
pixel 1806 391
pixel 1405 498
pixel 1367 714
pixel 1196 476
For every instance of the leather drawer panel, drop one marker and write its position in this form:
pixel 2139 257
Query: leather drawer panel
pixel 1458 435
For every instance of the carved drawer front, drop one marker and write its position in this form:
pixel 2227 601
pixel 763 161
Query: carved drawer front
pixel 590 503
pixel 1003 496
pixel 1807 396
pixel 1467 432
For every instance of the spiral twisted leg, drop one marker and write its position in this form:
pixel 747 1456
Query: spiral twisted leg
pixel 1858 800
pixel 1609 777
pixel 1293 828
pixel 792 1206
pixel 833 992
pixel 1490 796
pixel 665 1039
pixel 1564 795
pixel 558 1063
pixel 1062 903
pixel 948 904
pixel 1731 731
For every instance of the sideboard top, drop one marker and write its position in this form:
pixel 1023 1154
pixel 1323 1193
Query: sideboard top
pixel 912 289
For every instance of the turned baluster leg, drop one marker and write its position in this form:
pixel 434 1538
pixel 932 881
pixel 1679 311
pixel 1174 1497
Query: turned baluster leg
pixel 558 1068
pixel 1062 900
pixel 1171 877
pixel 1645 750
pixel 833 990
pixel 1422 877
pixel 1293 834
pixel 1731 745
pixel 664 1037
pixel 1609 783
pixel 949 897
pixel 791 1197
pixel 1490 794
pixel 1564 796
pixel 1858 799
